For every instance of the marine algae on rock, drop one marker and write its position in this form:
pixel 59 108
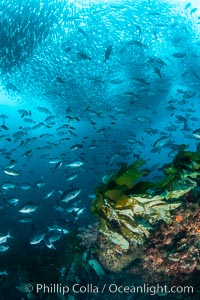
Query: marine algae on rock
pixel 129 208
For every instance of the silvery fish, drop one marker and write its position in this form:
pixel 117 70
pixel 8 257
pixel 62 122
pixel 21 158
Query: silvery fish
pixel 13 201
pixel 54 160
pixel 37 238
pixel 196 133
pixel 48 195
pixel 75 164
pixel 162 141
pixel 70 195
pixel 11 172
pixel 3 273
pixel 28 208
pixel 8 186
pixel 3 238
pixel 4 248
pixel 72 177
pixel 49 244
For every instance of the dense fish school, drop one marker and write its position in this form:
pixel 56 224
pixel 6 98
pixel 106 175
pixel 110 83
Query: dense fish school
pixel 85 86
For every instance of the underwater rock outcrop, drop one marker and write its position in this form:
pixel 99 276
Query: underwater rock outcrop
pixel 131 210
pixel 172 252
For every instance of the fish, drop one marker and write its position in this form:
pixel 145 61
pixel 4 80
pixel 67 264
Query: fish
pixel 24 113
pixel 178 55
pixel 194 119
pixel 72 177
pixel 12 87
pixel 11 172
pixel 40 184
pixel 54 160
pixel 37 238
pixel 82 31
pixel 8 186
pixel 59 208
pixel 57 166
pixel 54 236
pixel 28 153
pixel 113 158
pixel 28 208
pixel 13 201
pixel 136 43
pixel 70 195
pixel 72 209
pixel 43 110
pixel 106 178
pixel 75 164
pixel 19 134
pixel 25 186
pixel 56 227
pixel 108 53
pixel 4 248
pixel 158 72
pixel 28 120
pixel 50 119
pixel 140 81
pixel 11 164
pixel 150 131
pixel 3 238
pixel 83 55
pixel 37 126
pixel 25 220
pixel 193 10
pixel 132 94
pixel 161 142
pixel 76 146
pixel 3 117
pixel 188 5
pixel 48 195
pixel 116 81
pixel 142 119
pixel 181 119
pixel 60 79
pixel 80 211
pixel 172 153
pixel 196 133
pixel 4 127
pixel 3 273
pixel 49 244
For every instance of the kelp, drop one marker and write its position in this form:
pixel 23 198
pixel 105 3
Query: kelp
pixel 131 174
pixel 128 207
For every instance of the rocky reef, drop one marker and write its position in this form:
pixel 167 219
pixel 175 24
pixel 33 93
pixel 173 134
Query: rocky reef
pixel 172 252
pixel 151 229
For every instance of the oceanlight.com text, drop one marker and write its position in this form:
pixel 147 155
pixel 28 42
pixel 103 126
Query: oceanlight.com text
pixel 57 288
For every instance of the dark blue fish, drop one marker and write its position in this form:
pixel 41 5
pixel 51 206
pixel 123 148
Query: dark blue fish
pixel 193 10
pixel 108 52
pixel 81 30
pixel 83 55
pixel 188 5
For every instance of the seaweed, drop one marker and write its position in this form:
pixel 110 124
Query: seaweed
pixel 128 207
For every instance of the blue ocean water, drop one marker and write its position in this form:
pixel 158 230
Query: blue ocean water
pixel 84 86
